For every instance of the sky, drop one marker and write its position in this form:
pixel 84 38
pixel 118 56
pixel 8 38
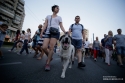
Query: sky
pixel 98 16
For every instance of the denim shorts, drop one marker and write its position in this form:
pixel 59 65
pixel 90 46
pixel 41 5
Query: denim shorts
pixel 52 36
pixel 96 48
pixel 77 43
pixel 1 43
pixel 34 44
pixel 120 50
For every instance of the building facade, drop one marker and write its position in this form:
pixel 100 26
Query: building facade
pixel 12 13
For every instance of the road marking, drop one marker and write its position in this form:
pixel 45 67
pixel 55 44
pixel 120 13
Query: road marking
pixel 14 63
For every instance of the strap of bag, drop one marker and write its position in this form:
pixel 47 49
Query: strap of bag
pixel 51 21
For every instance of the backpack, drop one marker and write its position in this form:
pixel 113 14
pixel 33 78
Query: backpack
pixel 72 27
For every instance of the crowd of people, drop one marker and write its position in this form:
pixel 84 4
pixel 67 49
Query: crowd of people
pixel 45 40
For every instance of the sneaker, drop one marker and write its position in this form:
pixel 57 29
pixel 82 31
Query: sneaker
pixel 81 64
pixel 108 64
pixel 95 59
pixel 47 67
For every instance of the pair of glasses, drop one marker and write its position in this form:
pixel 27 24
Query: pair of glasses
pixel 77 18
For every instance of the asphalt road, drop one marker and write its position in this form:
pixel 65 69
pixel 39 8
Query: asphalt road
pixel 26 69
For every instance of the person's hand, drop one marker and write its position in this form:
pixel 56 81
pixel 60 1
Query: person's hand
pixel 41 35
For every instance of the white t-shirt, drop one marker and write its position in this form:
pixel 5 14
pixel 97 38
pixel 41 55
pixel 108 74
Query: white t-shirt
pixel 54 22
pixel 86 44
pixel 27 35
pixel 22 37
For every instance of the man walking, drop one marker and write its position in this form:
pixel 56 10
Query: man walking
pixel 77 36
pixel 103 47
pixel 120 46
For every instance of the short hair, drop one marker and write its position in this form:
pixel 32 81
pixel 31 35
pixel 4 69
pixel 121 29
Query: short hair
pixel 23 32
pixel 53 7
pixel 77 16
pixel 119 29
pixel 29 30
pixel 18 32
pixel 4 25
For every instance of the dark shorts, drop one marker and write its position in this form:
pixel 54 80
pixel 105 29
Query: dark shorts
pixel 96 48
pixel 52 36
pixel 34 44
pixel 39 44
pixel 87 50
pixel 120 50
pixel 77 43
pixel 1 43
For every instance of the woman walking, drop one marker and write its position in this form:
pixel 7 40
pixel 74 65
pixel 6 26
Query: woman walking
pixel 17 38
pixel 52 24
pixel 20 44
pixel 26 41
pixel 96 46
pixel 108 47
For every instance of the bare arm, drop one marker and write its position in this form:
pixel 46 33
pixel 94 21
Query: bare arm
pixel 62 28
pixel 83 35
pixel 44 27
pixel 69 32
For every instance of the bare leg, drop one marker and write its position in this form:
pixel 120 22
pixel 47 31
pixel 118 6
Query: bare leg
pixel 120 60
pixel 52 44
pixel 45 45
pixel 79 53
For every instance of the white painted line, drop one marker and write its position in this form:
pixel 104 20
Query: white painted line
pixel 14 63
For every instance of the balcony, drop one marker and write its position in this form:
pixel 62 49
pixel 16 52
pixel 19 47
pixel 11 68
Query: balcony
pixel 19 12
pixel 10 2
pixel 3 17
pixel 9 6
pixel 7 9
pixel 17 18
pixel 22 2
pixel 16 22
pixel 18 7
pixel 3 11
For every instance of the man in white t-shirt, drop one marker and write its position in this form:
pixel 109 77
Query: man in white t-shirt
pixel 86 46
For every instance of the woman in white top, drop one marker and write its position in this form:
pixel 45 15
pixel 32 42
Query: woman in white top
pixel 20 44
pixel 52 22
pixel 26 40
